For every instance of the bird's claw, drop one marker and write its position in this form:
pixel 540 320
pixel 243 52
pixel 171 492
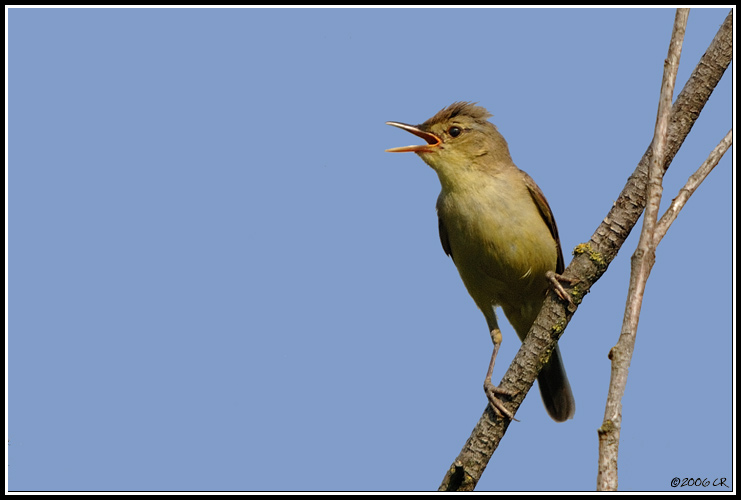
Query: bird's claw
pixel 491 391
pixel 555 281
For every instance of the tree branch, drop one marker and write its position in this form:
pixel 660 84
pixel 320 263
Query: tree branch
pixel 590 262
pixel 641 264
pixel 692 184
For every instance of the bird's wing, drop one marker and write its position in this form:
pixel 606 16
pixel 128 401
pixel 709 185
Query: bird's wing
pixel 547 214
pixel 444 237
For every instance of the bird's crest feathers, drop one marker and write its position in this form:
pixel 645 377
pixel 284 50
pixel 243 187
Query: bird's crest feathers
pixel 461 108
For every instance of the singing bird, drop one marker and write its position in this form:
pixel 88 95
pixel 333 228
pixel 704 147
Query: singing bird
pixel 498 229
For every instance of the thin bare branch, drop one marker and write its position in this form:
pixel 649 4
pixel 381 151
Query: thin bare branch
pixel 641 264
pixel 692 184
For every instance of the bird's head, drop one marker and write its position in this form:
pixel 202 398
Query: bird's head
pixel 458 137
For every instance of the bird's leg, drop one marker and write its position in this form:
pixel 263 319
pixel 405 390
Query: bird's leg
pixel 555 279
pixel 492 390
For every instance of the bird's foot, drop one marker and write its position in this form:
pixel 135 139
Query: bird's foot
pixel 555 282
pixel 491 391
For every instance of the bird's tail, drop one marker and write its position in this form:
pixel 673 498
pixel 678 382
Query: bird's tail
pixel 556 390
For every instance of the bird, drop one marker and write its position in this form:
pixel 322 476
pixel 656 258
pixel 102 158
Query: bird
pixel 497 227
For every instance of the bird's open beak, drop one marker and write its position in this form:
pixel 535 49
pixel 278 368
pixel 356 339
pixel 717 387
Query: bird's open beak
pixel 433 141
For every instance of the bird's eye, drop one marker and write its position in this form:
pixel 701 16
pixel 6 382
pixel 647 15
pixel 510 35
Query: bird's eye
pixel 454 131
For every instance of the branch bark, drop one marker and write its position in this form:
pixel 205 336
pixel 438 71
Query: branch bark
pixel 641 264
pixel 591 260
pixel 692 184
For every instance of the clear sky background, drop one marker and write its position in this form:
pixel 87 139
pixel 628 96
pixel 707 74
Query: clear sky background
pixel 218 279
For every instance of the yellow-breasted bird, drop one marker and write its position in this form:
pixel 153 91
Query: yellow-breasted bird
pixel 498 228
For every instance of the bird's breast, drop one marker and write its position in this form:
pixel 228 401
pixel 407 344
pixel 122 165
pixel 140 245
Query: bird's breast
pixel 499 242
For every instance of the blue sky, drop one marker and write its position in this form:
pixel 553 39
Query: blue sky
pixel 218 279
